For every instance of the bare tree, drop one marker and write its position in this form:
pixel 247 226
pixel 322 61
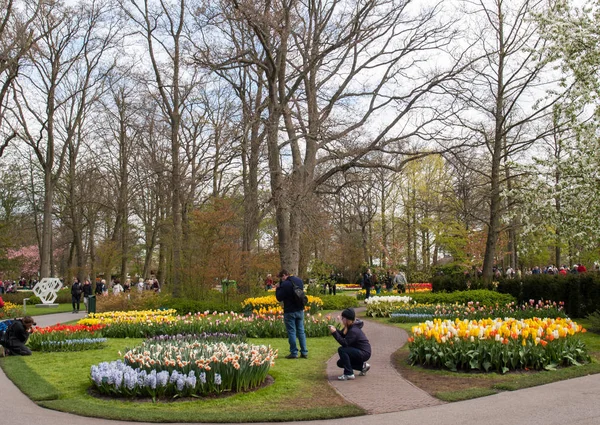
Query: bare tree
pixel 55 94
pixel 165 29
pixel 506 97
pixel 17 36
pixel 319 62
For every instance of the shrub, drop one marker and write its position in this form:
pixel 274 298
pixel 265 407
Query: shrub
pixel 133 300
pixel 594 319
pixel 33 300
pixel 213 301
pixel 338 302
pixel 63 296
pixel 484 297
pixel 579 292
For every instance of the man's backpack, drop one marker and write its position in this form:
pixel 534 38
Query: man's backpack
pixel 4 331
pixel 299 294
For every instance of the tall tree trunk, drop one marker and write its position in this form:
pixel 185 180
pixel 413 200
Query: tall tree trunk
pixel 496 150
pixel 46 251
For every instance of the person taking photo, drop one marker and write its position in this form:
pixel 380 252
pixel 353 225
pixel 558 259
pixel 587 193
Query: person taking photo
pixel 355 349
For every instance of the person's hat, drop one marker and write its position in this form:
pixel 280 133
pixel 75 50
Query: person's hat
pixel 349 314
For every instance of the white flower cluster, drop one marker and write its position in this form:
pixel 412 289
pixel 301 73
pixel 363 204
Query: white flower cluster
pixel 388 300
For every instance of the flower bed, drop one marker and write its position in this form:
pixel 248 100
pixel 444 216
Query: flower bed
pixel 270 305
pixel 382 306
pixel 418 287
pixel 10 311
pixel 132 316
pixel 474 311
pixel 348 287
pixel 499 345
pixel 73 344
pixel 187 366
pixel 129 325
pixel 66 338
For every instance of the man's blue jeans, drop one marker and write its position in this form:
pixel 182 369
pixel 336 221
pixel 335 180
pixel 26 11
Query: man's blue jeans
pixel 294 325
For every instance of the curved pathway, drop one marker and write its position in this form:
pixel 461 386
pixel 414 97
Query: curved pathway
pixel 572 402
pixel 383 390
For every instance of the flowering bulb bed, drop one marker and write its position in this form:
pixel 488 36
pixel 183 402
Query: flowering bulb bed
pixel 184 368
pixel 383 306
pixel 418 287
pixel 270 305
pixel 205 337
pixel 66 338
pixel 134 316
pixel 10 311
pixel 73 344
pixel 500 345
pixel 131 325
pixel 406 313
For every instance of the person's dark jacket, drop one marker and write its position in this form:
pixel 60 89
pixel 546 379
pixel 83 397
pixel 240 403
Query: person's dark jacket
pixel 99 288
pixel 367 280
pixel 87 290
pixel 285 293
pixel 16 333
pixel 354 337
pixel 76 290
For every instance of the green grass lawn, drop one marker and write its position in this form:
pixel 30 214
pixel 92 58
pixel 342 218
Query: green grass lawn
pixel 34 310
pixel 299 391
pixel 456 386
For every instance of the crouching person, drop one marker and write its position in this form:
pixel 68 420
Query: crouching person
pixel 355 349
pixel 17 335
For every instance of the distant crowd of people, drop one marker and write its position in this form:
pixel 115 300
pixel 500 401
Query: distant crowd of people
pixel 11 286
pixel 392 280
pixel 551 269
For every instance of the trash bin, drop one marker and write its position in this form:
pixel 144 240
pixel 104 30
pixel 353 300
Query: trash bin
pixel 91 304
pixel 227 284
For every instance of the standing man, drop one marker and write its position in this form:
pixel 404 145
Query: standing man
pixel 76 291
pixel 293 313
pixel 400 281
pixel 87 293
pixel 367 282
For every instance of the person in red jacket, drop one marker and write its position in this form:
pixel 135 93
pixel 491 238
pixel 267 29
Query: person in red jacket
pixel 581 268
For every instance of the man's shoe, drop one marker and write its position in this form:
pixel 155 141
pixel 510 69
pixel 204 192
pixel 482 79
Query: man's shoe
pixel 304 356
pixel 346 377
pixel 365 369
pixel 291 356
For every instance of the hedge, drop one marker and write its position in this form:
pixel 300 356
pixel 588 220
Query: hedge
pixel 338 302
pixel 579 292
pixel 485 297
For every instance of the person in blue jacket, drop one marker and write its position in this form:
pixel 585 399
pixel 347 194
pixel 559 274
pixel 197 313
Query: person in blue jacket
pixel 355 348
pixel 293 313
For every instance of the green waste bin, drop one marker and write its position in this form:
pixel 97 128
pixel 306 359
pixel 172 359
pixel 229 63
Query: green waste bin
pixel 91 304
pixel 226 284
